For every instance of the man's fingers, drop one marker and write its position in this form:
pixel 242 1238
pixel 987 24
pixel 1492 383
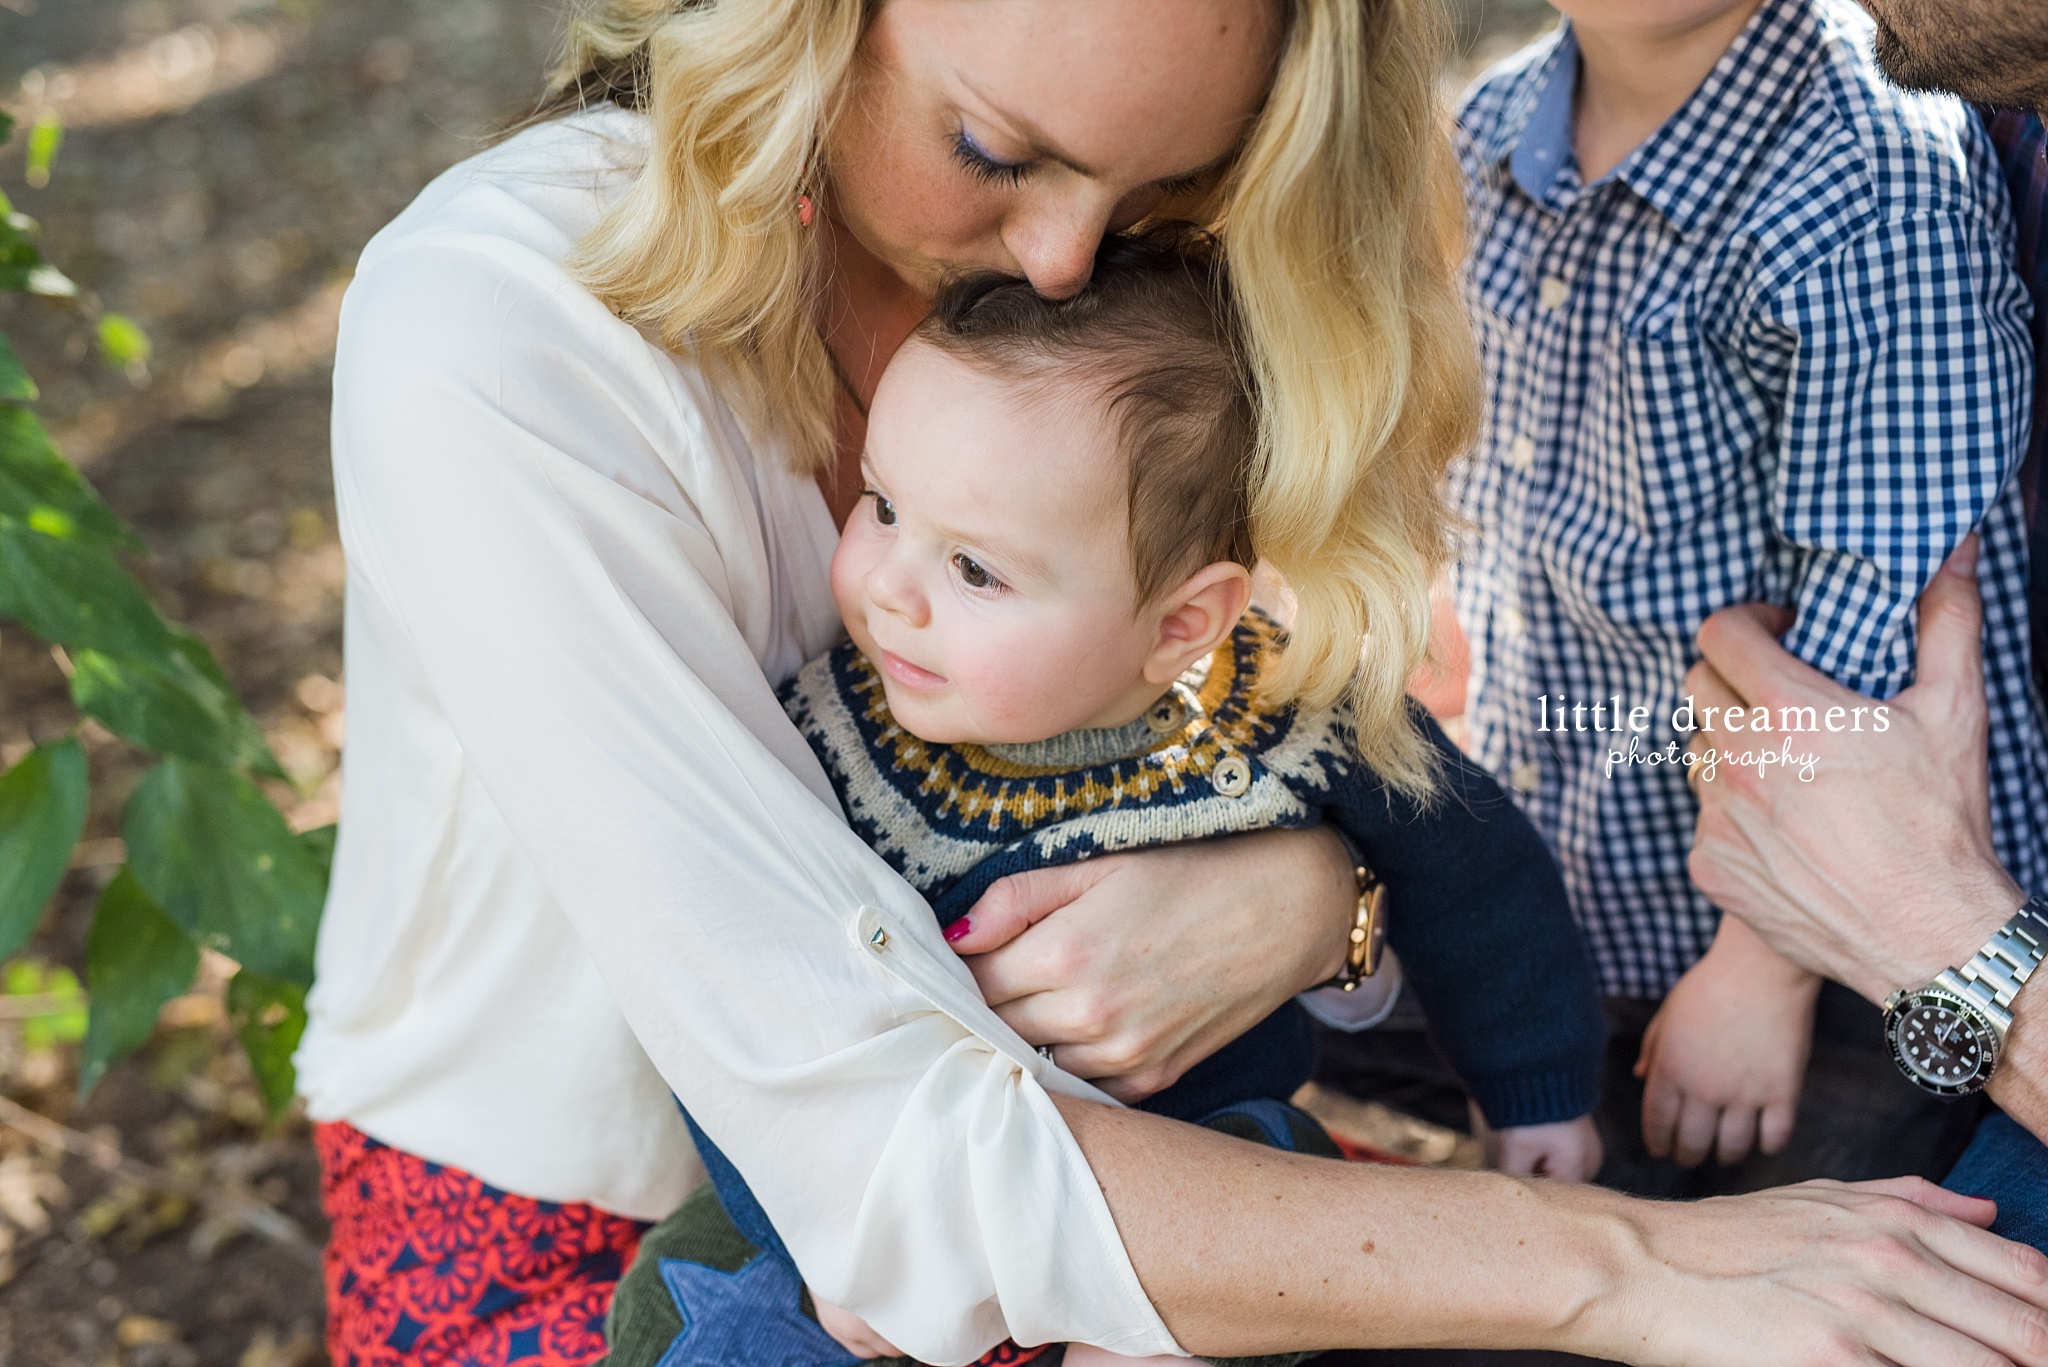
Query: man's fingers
pixel 1013 905
pixel 1951 656
pixel 1741 643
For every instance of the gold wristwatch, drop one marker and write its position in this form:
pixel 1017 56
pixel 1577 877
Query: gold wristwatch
pixel 1368 930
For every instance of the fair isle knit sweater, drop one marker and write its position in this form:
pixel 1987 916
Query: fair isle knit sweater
pixel 1476 907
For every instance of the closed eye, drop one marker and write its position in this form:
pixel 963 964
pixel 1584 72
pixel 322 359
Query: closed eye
pixel 982 166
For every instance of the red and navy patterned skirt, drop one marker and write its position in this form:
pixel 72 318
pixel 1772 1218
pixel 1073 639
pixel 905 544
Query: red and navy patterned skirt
pixel 429 1267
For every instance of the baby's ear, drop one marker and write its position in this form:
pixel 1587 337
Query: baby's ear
pixel 1196 616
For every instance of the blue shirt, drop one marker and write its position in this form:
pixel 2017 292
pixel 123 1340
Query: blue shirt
pixel 1778 353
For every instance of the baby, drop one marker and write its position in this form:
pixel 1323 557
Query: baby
pixel 1047 588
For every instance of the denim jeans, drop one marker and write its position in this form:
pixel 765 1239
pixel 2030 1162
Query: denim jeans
pixel 2010 1166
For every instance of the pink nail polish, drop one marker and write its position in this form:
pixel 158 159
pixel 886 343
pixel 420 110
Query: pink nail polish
pixel 957 930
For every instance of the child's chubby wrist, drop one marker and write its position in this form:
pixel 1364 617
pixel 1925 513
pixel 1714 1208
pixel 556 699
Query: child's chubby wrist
pixel 1740 959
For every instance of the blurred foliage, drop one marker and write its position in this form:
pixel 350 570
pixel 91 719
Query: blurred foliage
pixel 211 861
pixel 60 1010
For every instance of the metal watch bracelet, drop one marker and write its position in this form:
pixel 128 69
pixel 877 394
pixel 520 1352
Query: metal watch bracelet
pixel 1995 974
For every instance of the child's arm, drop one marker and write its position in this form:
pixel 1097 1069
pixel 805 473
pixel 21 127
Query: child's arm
pixel 1567 1151
pixel 1476 910
pixel 1724 1059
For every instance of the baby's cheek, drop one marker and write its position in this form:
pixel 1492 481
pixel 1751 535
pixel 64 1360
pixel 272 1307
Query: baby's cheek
pixel 1004 685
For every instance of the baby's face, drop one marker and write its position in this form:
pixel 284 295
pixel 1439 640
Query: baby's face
pixel 987 573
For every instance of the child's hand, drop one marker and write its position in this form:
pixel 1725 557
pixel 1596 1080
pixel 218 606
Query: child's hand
pixel 852 1331
pixel 1567 1151
pixel 1724 1059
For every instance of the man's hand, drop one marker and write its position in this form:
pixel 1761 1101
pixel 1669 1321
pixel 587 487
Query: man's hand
pixel 1725 1058
pixel 1879 872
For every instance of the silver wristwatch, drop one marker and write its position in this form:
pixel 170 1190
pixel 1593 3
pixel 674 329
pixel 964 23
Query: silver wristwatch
pixel 1946 1037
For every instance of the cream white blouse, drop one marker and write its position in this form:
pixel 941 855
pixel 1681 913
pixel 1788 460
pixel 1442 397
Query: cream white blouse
pixel 585 859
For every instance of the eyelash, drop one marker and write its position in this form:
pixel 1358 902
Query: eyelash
pixel 966 565
pixel 982 166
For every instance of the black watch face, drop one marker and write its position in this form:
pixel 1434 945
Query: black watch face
pixel 1939 1046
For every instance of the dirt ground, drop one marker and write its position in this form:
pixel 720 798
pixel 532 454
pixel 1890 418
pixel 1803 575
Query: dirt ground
pixel 223 163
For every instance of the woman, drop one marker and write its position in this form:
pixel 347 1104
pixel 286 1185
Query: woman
pixel 597 402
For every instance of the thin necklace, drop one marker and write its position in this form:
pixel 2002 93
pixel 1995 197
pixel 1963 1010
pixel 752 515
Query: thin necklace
pixel 839 374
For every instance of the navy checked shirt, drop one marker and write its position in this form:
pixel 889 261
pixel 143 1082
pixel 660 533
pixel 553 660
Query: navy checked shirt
pixel 1779 353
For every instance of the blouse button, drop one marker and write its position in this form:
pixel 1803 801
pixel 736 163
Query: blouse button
pixel 1232 776
pixel 1525 777
pixel 1522 453
pixel 1552 292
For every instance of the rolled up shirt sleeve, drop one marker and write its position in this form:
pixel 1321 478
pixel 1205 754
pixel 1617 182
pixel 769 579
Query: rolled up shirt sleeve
pixel 573 619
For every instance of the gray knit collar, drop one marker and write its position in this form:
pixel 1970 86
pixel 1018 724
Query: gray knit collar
pixel 1088 746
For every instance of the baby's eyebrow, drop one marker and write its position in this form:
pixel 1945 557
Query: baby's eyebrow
pixel 1017 559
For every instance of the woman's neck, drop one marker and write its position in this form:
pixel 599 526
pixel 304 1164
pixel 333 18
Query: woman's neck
pixel 1632 81
pixel 866 314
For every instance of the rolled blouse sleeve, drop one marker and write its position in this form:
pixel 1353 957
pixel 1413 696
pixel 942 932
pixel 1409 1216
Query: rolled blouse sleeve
pixel 518 477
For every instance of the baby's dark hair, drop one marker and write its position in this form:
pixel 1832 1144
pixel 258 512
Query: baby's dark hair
pixel 1155 335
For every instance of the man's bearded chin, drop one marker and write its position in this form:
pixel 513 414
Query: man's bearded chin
pixel 2004 70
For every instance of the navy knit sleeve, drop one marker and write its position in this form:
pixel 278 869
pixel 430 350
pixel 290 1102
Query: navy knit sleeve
pixel 1477 913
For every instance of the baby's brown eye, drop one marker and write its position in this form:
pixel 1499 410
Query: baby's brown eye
pixel 885 511
pixel 973 575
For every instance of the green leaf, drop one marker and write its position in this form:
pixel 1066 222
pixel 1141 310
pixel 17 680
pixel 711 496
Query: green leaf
pixel 35 481
pixel 62 1021
pixel 72 593
pixel 220 860
pixel 6 132
pixel 319 843
pixel 42 812
pixel 15 384
pixel 269 1016
pixel 121 341
pixel 45 136
pixel 136 959
pixel 19 258
pixel 175 704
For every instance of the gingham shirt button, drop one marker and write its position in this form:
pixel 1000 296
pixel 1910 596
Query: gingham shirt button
pixel 1232 776
pixel 1522 454
pixel 1552 292
pixel 1525 776
pixel 1512 624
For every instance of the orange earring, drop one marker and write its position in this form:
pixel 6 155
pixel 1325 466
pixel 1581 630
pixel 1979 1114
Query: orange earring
pixel 804 210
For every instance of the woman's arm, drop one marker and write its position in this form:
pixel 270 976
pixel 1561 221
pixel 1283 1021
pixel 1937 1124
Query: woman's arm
pixel 1248 1250
pixel 555 536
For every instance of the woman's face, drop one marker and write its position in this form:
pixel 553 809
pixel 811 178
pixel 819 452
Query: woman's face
pixel 1011 135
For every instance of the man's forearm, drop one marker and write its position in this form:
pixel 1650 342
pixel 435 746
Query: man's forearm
pixel 2020 1086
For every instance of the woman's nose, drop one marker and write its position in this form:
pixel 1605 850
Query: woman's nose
pixel 894 589
pixel 1055 243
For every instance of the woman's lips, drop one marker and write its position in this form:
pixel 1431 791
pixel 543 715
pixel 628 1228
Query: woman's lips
pixel 910 675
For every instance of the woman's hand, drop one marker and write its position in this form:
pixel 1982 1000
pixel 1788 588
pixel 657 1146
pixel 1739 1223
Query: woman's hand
pixel 1157 959
pixel 1725 1059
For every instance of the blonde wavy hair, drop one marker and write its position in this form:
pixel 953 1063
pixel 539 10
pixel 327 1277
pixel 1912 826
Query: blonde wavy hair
pixel 1339 220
